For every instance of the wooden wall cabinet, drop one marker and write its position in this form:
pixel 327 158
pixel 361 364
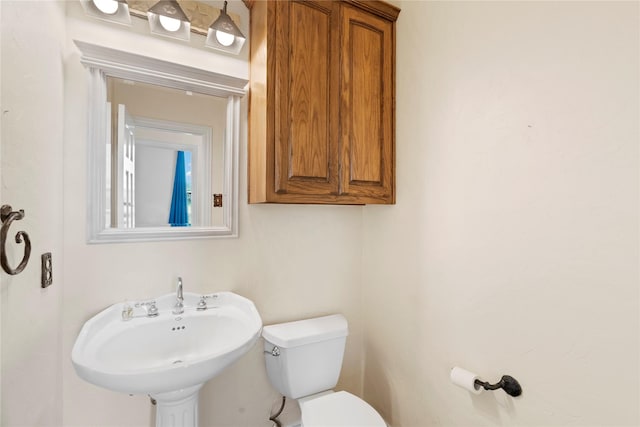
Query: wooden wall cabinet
pixel 322 94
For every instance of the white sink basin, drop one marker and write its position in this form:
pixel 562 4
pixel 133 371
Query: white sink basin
pixel 168 355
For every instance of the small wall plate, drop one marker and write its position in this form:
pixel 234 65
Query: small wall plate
pixel 46 278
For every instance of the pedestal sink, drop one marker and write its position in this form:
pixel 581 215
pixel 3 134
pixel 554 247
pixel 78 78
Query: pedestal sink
pixel 169 356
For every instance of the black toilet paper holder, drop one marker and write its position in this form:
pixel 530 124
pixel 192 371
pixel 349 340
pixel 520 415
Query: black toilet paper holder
pixel 510 385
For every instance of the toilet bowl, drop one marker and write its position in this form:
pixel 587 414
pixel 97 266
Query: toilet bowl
pixel 339 409
pixel 303 360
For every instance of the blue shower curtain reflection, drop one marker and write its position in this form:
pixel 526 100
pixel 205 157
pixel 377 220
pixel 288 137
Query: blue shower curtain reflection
pixel 179 213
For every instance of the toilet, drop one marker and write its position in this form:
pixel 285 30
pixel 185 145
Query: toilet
pixel 304 359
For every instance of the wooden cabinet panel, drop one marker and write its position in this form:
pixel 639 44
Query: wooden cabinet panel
pixel 367 94
pixel 321 113
pixel 305 159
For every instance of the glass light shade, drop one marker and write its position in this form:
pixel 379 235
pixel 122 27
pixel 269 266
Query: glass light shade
pixel 166 18
pixel 225 39
pixel 108 10
pixel 106 6
pixel 169 24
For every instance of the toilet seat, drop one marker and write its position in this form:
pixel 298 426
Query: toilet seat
pixel 339 409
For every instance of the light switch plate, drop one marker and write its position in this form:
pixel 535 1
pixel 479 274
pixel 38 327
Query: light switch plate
pixel 47 270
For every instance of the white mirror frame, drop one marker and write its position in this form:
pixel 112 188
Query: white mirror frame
pixel 102 62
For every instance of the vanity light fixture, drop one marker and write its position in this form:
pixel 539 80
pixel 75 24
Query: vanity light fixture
pixel 167 18
pixel 108 10
pixel 224 34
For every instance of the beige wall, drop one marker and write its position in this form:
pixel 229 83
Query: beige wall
pixel 514 244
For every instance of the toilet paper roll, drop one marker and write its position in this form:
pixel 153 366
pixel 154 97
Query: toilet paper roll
pixel 465 379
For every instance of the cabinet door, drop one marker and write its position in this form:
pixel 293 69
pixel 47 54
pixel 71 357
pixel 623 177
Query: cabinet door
pixel 367 107
pixel 305 143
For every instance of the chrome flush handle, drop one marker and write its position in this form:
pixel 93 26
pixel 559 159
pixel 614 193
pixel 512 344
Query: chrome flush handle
pixel 275 351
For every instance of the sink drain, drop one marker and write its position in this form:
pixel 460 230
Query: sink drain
pixel 177 361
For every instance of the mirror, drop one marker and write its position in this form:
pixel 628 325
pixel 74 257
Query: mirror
pixel 163 148
pixel 150 126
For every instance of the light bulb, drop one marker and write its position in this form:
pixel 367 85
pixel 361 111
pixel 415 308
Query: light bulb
pixel 225 39
pixel 170 24
pixel 108 7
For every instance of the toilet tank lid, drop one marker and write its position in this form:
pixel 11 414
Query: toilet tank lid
pixel 301 332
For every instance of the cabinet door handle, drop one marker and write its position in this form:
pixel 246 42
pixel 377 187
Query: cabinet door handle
pixel 8 216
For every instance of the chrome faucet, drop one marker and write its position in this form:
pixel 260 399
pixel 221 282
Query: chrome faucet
pixel 178 308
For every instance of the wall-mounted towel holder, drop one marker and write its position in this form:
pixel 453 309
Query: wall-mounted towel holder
pixel 7 215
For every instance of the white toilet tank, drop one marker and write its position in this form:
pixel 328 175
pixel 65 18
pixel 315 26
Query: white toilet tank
pixel 310 354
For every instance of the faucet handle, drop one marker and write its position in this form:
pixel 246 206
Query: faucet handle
pixel 152 309
pixel 127 311
pixel 202 304
pixel 150 306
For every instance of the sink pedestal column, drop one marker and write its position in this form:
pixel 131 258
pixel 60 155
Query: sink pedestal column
pixel 177 408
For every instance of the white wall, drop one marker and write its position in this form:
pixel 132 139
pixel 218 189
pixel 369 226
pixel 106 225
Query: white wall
pixel 32 140
pixel 292 261
pixel 513 248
